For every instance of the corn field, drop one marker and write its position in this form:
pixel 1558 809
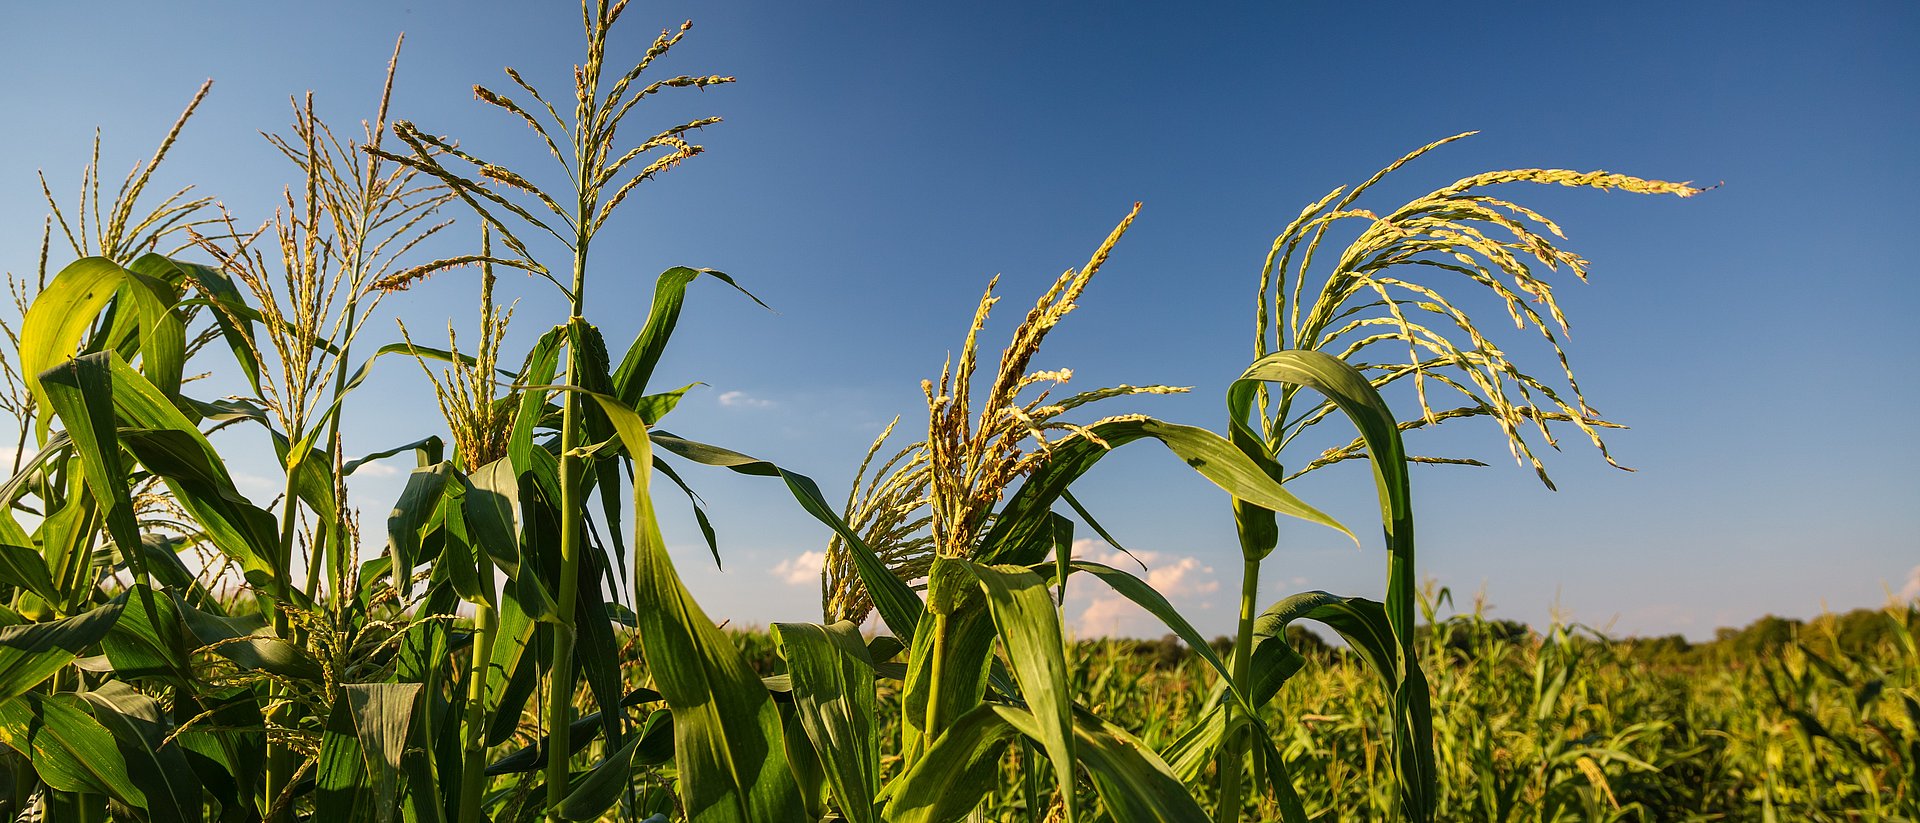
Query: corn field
pixel 514 643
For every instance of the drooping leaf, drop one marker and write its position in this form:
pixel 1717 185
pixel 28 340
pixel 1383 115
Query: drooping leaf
pixel 1356 397
pixel 60 315
pixel 727 747
pixel 1133 783
pixel 31 653
pixel 1022 530
pixel 428 451
pixel 898 604
pixel 163 440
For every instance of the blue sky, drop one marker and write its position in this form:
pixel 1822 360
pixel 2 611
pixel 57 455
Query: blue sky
pixel 880 161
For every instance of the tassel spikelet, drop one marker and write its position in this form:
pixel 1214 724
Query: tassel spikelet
pixel 935 497
pixel 1390 305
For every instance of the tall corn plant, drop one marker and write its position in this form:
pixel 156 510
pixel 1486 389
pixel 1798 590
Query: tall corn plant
pixel 560 585
pixel 1386 314
pixel 308 277
pixel 985 663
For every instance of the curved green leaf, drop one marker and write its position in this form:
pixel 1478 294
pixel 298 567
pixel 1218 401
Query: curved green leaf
pixel 727 732
pixel 154 763
pixel 1029 624
pixel 1021 533
pixel 669 294
pixel 60 316
pixel 32 652
pixel 1133 783
pixel 594 793
pixel 70 750
pixel 898 604
pixel 1356 397
pixel 956 773
pixel 835 699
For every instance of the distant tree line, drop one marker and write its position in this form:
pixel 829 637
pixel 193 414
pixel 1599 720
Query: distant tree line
pixel 1853 633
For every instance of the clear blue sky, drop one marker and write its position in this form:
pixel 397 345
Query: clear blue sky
pixel 880 161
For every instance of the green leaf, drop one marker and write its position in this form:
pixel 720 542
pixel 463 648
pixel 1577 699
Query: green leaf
pixel 167 444
pixel 360 751
pixel 234 638
pixel 428 449
pixel 948 663
pixel 80 392
pixel 146 641
pixel 231 313
pixel 219 745
pixel 491 503
pixel 669 294
pixel 956 773
pixel 834 696
pixel 727 732
pixel 1356 397
pixel 32 652
pixel 539 369
pixel 52 329
pixel 1022 531
pixel 153 762
pixel 898 604
pixel 593 794
pixel 1133 783
pixel 70 750
pixel 1029 624
pixel 23 568
pixel 409 517
pixel 514 670
pixel 655 406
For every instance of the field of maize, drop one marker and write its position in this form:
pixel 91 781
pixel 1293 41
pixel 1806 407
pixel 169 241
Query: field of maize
pixel 513 642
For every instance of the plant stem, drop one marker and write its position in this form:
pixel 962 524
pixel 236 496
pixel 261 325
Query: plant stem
pixel 560 696
pixel 931 727
pixel 335 534
pixel 1233 750
pixel 281 760
pixel 473 779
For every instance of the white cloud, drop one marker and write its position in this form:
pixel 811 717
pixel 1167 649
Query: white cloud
pixel 376 469
pixel 256 482
pixel 1912 589
pixel 743 400
pixel 1182 579
pixel 798 571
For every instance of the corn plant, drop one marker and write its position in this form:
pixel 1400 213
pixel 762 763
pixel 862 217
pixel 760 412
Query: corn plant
pixel 1383 298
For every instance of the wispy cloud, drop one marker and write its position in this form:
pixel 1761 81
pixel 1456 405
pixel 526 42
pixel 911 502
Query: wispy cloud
pixel 377 469
pixel 743 400
pixel 254 482
pixel 1912 589
pixel 1182 579
pixel 799 571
